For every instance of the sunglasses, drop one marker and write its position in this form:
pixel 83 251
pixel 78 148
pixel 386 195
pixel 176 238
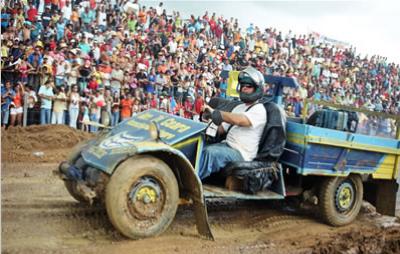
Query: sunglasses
pixel 246 86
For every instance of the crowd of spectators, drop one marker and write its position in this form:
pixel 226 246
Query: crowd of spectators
pixel 76 60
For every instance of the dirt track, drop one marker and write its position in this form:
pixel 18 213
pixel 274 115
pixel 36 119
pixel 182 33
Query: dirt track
pixel 39 216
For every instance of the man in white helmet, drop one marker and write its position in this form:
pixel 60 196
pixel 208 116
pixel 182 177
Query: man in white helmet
pixel 244 126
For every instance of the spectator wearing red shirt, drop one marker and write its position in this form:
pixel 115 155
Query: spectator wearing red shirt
pixel 32 13
pixel 154 102
pixel 126 106
pixel 93 85
pixel 198 105
pixel 188 107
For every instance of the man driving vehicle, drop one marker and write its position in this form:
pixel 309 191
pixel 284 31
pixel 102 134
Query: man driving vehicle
pixel 243 126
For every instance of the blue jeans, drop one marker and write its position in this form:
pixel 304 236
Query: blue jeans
pixel 45 116
pixel 93 118
pixel 215 157
pixel 5 115
pixel 59 82
pixel 73 116
pixel 114 118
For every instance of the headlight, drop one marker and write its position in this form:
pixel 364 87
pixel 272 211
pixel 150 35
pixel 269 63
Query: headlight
pixel 154 131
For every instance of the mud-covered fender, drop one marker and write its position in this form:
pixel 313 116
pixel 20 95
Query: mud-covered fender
pixel 382 194
pixel 190 185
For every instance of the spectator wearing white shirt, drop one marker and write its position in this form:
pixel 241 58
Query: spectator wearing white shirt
pixel 59 105
pixel 227 66
pixel 102 19
pixel 159 9
pixel 172 45
pixel 131 7
pixel 66 11
pixel 251 43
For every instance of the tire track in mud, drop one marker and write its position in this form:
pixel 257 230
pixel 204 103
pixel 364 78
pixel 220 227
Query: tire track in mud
pixel 71 223
pixel 259 214
pixel 279 221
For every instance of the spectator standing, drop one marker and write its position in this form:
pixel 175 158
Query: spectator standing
pixel 198 106
pixel 24 67
pixel 16 111
pixel 108 100
pixel 46 17
pixel 115 109
pixel 117 77
pixel 126 106
pixel 30 100
pixel 188 107
pixel 87 17
pixel 46 95
pixel 60 104
pixel 73 109
pixel 32 13
pixel 35 59
pixel 7 96
pixel 84 72
pixel 66 11
pixel 75 19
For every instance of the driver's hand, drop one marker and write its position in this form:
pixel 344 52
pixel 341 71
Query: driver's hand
pixel 207 108
pixel 207 111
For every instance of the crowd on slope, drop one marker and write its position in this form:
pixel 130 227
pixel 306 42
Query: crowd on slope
pixel 76 60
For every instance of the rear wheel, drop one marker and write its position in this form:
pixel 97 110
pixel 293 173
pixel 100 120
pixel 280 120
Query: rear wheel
pixel 340 199
pixel 142 197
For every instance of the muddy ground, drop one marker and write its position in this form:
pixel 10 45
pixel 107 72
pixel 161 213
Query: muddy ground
pixel 39 216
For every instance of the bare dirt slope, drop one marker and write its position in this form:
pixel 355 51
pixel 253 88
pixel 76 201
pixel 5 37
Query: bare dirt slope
pixel 39 216
pixel 39 143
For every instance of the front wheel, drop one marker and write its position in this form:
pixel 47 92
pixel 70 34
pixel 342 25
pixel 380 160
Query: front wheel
pixel 340 199
pixel 142 197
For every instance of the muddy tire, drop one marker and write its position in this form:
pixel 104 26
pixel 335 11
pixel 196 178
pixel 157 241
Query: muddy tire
pixel 340 199
pixel 71 188
pixel 142 197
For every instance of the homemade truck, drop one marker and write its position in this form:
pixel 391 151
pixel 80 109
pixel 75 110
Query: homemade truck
pixel 143 168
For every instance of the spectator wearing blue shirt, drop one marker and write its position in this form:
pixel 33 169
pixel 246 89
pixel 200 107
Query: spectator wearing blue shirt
pixel 60 27
pixel 250 30
pixel 149 87
pixel 87 18
pixel 223 87
pixel 36 31
pixel 5 20
pixel 317 96
pixel 35 60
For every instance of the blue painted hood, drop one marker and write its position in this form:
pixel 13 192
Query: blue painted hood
pixel 132 136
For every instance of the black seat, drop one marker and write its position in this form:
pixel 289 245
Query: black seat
pixel 262 171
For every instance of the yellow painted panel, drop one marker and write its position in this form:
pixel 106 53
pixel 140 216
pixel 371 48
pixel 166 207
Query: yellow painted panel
pixel 232 84
pixel 186 142
pixel 386 169
pixel 295 138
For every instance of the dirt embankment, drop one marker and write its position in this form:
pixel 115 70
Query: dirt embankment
pixel 39 143
pixel 371 240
